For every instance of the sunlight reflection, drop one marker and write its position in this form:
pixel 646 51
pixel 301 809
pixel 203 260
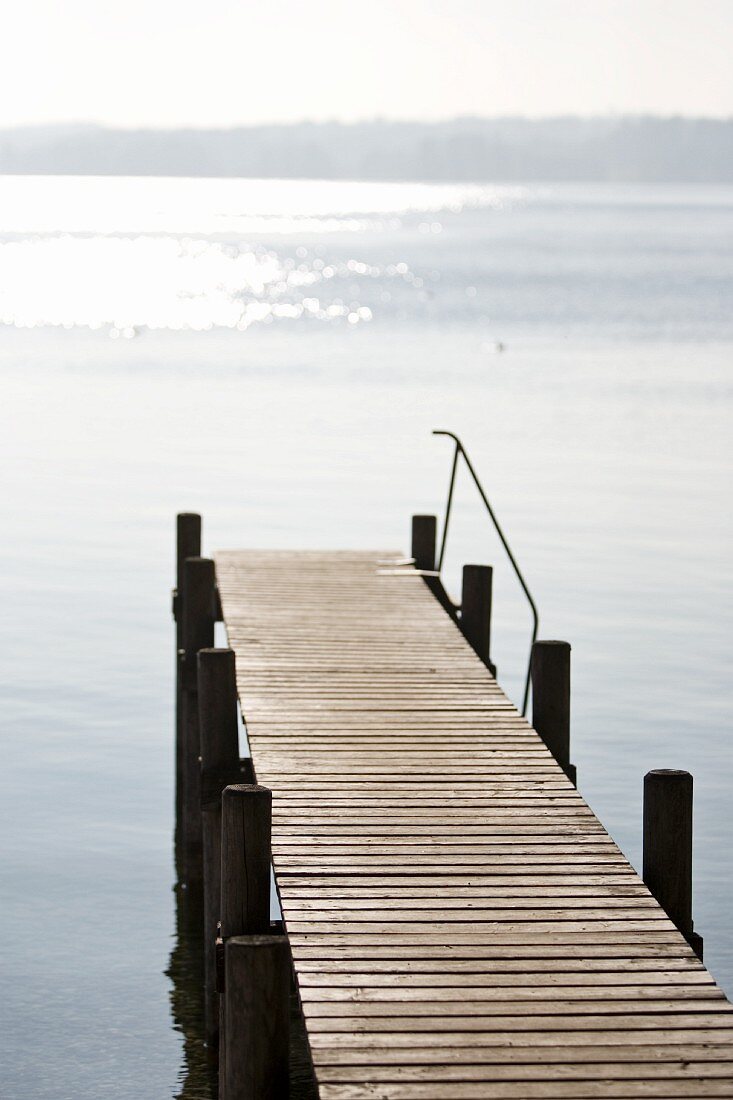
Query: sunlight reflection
pixel 166 283
pixel 132 254
pixel 203 207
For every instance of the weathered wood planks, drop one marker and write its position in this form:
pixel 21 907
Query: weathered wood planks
pixel 461 924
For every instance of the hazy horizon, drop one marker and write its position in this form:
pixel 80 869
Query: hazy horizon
pixel 375 119
pixel 616 149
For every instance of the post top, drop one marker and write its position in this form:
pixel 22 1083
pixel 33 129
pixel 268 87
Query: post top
pixel 278 942
pixel 668 773
pixel 244 790
pixel 552 642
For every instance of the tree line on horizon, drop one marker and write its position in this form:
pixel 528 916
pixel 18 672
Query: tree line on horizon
pixel 625 149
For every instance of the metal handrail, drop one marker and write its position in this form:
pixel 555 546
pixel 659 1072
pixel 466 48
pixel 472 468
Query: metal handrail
pixel 460 451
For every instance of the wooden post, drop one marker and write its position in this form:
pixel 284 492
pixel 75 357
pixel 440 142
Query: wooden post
pixel 667 860
pixel 188 545
pixel 475 619
pixel 246 828
pixel 220 765
pixel 257 991
pixel 551 700
pixel 424 537
pixel 197 633
pixel 246 825
pixel 424 540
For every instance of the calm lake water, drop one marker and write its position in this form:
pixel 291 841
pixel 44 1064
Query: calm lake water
pixel 275 355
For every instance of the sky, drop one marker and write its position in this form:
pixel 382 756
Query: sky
pixel 224 63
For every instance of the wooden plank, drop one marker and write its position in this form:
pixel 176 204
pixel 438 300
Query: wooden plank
pixel 459 936
pixel 510 908
pixel 611 882
pixel 615 879
pixel 459 981
pixel 582 948
pixel 470 1007
pixel 424 832
pixel 462 914
pixel 503 969
pixel 523 1021
pixel 475 925
pixel 577 1059
pixel 499 966
pixel 478 994
pixel 504 1044
pixel 609 1071
pixel 526 1090
pixel 412 863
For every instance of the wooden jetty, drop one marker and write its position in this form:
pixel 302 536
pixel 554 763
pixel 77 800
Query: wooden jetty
pixel 455 920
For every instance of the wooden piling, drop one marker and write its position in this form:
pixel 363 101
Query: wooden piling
pixel 256 1062
pixel 475 621
pixel 197 633
pixel 667 859
pixel 246 830
pixel 550 670
pixel 220 766
pixel 424 538
pixel 423 549
pixel 188 545
pixel 246 827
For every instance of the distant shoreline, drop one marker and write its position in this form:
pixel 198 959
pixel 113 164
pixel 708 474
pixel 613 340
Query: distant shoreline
pixel 509 150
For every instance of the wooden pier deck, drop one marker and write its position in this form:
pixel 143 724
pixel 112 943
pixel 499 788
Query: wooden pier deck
pixel 461 924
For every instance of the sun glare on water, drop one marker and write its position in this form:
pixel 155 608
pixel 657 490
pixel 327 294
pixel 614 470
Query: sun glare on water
pixel 131 254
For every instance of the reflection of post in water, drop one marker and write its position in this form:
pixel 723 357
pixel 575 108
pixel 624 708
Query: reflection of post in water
pixel 186 971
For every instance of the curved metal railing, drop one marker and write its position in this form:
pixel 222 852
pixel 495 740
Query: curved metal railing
pixel 460 452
